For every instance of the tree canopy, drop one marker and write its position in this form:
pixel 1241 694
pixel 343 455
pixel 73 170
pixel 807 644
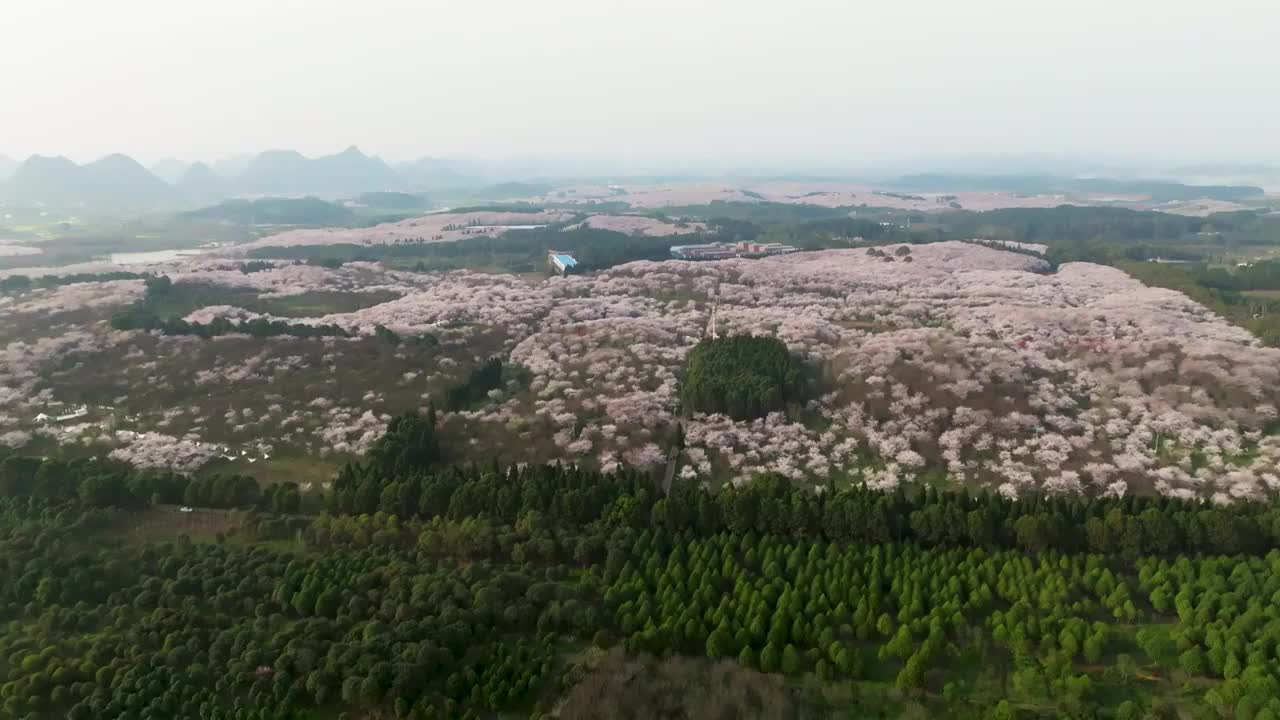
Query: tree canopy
pixel 742 376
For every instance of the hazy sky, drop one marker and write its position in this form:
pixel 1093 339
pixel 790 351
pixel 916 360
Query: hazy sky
pixel 718 80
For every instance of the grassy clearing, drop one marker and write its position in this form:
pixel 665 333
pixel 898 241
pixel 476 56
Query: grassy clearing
pixel 622 687
pixel 166 522
pixel 291 467
pixel 185 298
pixel 66 239
pixel 1264 294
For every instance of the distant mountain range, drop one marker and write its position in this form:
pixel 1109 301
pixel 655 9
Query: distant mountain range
pixel 283 172
pixel 426 173
pixel 119 180
pixel 116 179
pixel 1157 190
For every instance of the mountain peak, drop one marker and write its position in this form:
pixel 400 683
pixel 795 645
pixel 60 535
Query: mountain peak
pixel 201 184
pixel 197 172
pixel 48 161
pixel 291 155
pixel 118 161
pixel 169 169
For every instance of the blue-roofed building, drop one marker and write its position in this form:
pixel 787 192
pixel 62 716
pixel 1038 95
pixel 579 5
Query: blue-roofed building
pixel 561 262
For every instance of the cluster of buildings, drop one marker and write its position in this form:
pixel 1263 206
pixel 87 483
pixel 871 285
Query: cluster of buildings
pixel 563 262
pixel 724 250
pixel 45 418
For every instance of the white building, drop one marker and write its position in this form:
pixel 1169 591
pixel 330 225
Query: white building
pixel 77 413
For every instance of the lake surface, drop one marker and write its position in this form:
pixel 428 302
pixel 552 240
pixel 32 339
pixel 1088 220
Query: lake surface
pixel 16 250
pixel 152 257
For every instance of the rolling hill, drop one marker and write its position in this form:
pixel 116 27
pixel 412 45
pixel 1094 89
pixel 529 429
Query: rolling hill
pixel 435 173
pixel 274 211
pixel 200 184
pixel 393 201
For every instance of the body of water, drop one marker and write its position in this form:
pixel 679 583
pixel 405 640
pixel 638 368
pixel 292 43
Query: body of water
pixel 152 257
pixel 16 250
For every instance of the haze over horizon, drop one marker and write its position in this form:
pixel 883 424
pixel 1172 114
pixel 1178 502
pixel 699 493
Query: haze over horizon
pixel 808 84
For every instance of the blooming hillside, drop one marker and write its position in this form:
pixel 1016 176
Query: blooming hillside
pixel 435 227
pixel 945 361
pixel 639 225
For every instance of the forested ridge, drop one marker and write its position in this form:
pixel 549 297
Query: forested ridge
pixel 17 283
pixel 395 479
pixel 429 591
pixel 512 251
pixel 274 211
pixel 374 611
